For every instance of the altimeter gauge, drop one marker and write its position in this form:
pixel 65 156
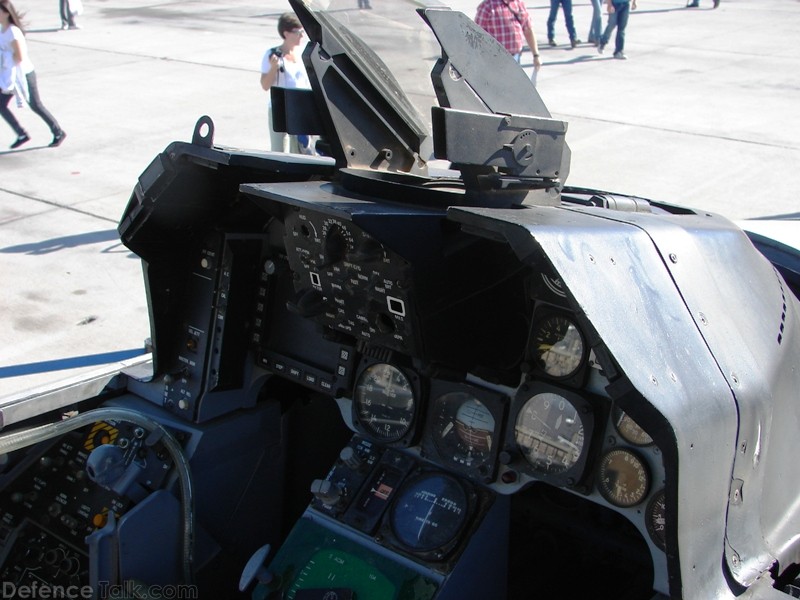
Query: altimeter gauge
pixel 549 432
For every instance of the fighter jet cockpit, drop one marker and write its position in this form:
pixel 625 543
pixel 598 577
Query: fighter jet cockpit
pixel 373 378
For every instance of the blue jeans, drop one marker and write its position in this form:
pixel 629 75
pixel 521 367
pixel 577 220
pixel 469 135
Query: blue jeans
pixel 596 26
pixel 36 106
pixel 566 5
pixel 618 19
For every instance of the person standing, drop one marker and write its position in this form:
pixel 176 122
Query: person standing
pixel 17 76
pixel 283 66
pixel 566 7
pixel 509 23
pixel 596 26
pixel 67 17
pixel 618 12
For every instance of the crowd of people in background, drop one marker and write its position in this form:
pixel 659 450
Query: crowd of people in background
pixel 508 22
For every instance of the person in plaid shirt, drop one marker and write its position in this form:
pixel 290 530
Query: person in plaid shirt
pixel 509 23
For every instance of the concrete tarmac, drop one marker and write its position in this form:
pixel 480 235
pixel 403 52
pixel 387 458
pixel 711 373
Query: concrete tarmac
pixel 702 114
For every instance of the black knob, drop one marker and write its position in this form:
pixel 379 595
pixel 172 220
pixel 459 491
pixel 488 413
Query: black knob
pixel 309 304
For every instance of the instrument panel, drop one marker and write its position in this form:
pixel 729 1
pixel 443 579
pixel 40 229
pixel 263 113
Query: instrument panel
pixel 379 328
pixel 349 281
pixel 546 430
pixel 542 431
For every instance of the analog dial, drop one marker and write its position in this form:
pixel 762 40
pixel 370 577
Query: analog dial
pixel 629 429
pixel 657 519
pixel 558 348
pixel 429 512
pixel 549 433
pixel 337 242
pixel 384 402
pixel 464 429
pixel 623 478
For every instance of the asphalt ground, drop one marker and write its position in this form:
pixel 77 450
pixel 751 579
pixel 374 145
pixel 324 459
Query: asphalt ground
pixel 702 114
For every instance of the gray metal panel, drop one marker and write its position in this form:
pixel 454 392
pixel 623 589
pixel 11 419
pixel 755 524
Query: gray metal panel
pixel 750 324
pixel 616 273
pixel 474 66
pixel 523 145
pixel 16 408
pixel 476 73
pixel 368 120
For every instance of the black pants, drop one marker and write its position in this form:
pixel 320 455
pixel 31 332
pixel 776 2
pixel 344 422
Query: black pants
pixel 35 104
pixel 66 16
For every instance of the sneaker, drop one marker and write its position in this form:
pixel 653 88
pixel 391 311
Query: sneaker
pixel 57 139
pixel 601 46
pixel 574 42
pixel 620 56
pixel 552 42
pixel 694 4
pixel 22 139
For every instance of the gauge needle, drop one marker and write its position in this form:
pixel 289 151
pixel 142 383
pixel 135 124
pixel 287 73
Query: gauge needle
pixel 564 440
pixel 426 520
pixel 447 429
pixel 388 421
pixel 541 421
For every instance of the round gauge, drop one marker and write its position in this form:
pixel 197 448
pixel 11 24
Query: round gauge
pixel 463 429
pixel 384 402
pixel 629 429
pixel 429 512
pixel 657 520
pixel 554 284
pixel 549 433
pixel 557 347
pixel 623 478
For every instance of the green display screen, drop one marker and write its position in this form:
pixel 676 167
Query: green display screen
pixel 316 558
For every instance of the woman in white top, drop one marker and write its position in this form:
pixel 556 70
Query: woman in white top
pixel 283 66
pixel 18 77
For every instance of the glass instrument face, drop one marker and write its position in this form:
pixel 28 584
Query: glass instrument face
pixel 623 478
pixel 549 433
pixel 464 429
pixel 557 346
pixel 429 512
pixel 384 402
pixel 657 520
pixel 629 429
